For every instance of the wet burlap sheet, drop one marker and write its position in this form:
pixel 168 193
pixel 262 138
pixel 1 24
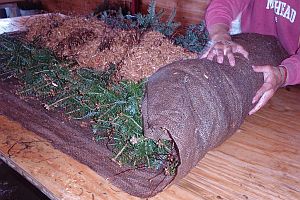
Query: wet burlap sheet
pixel 200 103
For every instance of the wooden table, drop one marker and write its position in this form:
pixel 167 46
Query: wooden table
pixel 260 161
pixel 9 25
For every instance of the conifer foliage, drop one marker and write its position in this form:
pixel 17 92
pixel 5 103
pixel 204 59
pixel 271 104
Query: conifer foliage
pixel 142 22
pixel 113 108
pixel 194 38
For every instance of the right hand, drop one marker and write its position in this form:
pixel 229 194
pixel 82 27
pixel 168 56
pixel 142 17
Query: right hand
pixel 221 45
pixel 223 48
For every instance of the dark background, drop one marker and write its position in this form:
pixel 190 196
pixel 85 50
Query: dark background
pixel 15 187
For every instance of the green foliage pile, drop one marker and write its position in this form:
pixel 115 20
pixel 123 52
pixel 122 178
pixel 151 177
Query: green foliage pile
pixel 112 107
pixel 151 21
pixel 194 38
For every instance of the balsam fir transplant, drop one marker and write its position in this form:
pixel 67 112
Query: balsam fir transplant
pixel 114 100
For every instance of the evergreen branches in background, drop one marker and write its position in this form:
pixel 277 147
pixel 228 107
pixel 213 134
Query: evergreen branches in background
pixel 117 19
pixel 151 21
pixel 113 108
pixel 194 38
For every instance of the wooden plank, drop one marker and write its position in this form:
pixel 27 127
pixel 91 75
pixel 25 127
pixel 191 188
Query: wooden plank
pixel 15 24
pixel 54 173
pixel 10 25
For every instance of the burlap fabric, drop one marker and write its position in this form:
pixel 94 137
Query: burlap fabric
pixel 202 103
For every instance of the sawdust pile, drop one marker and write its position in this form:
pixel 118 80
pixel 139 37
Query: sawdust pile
pixel 89 41
pixel 94 44
pixel 153 52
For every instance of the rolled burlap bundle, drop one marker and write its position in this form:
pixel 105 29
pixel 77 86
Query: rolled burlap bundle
pixel 199 104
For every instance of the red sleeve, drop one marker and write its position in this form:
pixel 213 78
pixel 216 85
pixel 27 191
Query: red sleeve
pixel 224 11
pixel 292 65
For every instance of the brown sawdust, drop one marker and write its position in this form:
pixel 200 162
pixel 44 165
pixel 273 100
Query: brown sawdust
pixel 153 52
pixel 94 44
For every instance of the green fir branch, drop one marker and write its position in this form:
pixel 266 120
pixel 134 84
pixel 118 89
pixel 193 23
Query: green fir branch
pixel 114 108
pixel 194 39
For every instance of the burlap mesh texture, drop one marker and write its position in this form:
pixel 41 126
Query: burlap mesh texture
pixel 202 103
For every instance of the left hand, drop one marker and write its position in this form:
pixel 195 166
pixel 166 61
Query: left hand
pixel 273 79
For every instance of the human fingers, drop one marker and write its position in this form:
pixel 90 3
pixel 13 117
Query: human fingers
pixel 268 89
pixel 262 101
pixel 211 54
pixel 262 68
pixel 231 59
pixel 217 50
pixel 264 88
pixel 205 53
pixel 236 48
pixel 207 49
pixel 228 49
pixel 220 55
pixel 230 56
pixel 265 69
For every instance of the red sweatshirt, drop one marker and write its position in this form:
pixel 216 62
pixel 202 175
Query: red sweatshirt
pixel 268 17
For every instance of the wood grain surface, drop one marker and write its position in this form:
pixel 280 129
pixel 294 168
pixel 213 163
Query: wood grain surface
pixel 260 161
pixel 9 25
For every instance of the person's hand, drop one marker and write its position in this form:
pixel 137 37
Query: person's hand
pixel 221 48
pixel 221 45
pixel 274 77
